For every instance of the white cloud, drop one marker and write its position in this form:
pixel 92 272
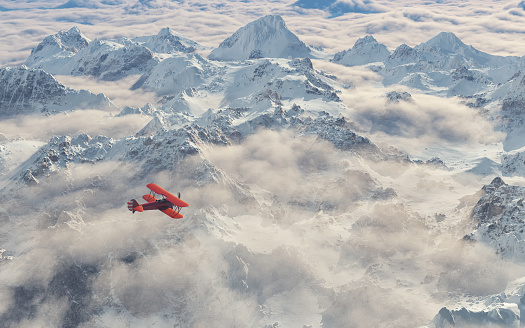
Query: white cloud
pixel 91 122
pixel 118 91
pixel 410 21
pixel 232 253
pixel 309 237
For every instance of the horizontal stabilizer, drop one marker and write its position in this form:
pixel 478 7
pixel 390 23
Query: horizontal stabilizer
pixel 149 198
pixel 133 206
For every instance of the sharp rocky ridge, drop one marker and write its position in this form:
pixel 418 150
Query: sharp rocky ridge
pixel 25 90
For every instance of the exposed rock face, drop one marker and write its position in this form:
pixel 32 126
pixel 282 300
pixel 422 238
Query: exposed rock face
pixel 26 90
pixel 111 61
pixel 72 284
pixel 395 96
pixel 21 89
pixel 505 316
pixel 159 148
pixel 513 164
pixel 70 53
pixel 499 218
pixel 61 151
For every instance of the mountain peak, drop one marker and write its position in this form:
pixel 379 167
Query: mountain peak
pixel 365 50
pixel 168 41
pixel 165 32
pixel 444 42
pixel 275 20
pixel 495 184
pixel 74 30
pixel 70 40
pixel 270 19
pixel 64 44
pixel 365 40
pixel 267 36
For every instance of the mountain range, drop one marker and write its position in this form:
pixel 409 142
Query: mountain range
pixel 299 215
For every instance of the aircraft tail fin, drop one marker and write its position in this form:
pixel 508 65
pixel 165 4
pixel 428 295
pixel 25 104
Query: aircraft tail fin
pixel 134 206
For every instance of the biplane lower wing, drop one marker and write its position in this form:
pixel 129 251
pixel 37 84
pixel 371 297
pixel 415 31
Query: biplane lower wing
pixel 175 200
pixel 172 213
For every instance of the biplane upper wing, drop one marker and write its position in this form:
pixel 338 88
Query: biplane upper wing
pixel 172 213
pixel 175 200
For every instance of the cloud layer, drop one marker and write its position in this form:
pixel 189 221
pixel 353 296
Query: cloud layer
pixel 280 229
pixel 487 25
pixel 91 122
pixel 276 227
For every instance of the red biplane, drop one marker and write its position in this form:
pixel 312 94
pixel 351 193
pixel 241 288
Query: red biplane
pixel 165 205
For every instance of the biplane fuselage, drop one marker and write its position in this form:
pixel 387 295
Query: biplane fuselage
pixel 159 204
pixel 165 205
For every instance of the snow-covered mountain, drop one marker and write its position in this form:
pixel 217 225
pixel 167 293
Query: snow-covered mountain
pixel 365 51
pixel 267 37
pixel 71 53
pixel 446 52
pixel 298 215
pixel 188 81
pixel 55 50
pixel 276 81
pixel 447 67
pixel 104 59
pixel 176 74
pixel 447 45
pixel 25 90
pixel 504 315
pixel 222 128
pixel 109 60
pixel 444 65
pixel 498 219
pixel 168 41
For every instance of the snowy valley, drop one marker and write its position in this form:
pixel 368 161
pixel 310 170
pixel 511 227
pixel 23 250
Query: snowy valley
pixel 372 187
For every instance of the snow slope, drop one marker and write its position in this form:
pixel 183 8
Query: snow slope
pixel 267 37
pixel 55 50
pixel 443 65
pixel 365 51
